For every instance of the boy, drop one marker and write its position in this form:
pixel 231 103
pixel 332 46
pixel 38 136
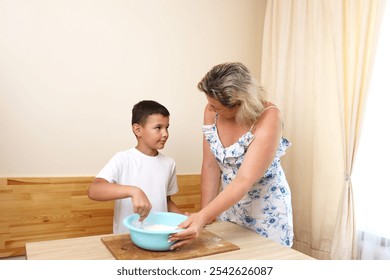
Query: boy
pixel 140 179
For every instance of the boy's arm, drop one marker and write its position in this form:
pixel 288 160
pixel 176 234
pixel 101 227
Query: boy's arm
pixel 102 190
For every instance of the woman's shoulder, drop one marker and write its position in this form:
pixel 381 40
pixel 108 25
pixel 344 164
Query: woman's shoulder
pixel 270 118
pixel 269 105
pixel 270 109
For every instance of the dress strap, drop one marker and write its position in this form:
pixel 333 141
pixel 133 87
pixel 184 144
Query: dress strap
pixel 215 119
pixel 269 107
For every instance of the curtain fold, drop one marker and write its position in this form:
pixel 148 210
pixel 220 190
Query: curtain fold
pixel 315 66
pixel 355 28
pixel 372 226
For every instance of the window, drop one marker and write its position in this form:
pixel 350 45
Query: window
pixel 371 172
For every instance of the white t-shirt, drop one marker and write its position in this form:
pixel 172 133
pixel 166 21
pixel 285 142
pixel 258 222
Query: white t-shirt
pixel 156 176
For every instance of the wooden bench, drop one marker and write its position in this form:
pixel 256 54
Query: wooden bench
pixel 37 209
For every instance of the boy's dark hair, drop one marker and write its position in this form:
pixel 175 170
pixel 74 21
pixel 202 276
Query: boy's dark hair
pixel 143 109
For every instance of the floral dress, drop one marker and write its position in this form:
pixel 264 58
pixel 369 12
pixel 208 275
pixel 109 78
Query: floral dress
pixel 266 208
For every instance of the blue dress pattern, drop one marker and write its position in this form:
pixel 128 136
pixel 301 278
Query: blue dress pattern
pixel 266 208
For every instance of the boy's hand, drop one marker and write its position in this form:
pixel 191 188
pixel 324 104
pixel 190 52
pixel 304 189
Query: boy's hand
pixel 141 203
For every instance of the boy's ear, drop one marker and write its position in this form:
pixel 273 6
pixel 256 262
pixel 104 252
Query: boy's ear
pixel 136 129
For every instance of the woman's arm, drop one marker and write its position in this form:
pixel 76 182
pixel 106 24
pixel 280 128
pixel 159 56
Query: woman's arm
pixel 210 172
pixel 210 177
pixel 260 154
pixel 258 158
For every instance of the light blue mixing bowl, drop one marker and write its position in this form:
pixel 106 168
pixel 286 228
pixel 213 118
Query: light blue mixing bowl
pixel 153 240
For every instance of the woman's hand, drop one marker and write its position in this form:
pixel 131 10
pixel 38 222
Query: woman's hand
pixel 193 227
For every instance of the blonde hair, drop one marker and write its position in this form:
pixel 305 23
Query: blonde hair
pixel 233 85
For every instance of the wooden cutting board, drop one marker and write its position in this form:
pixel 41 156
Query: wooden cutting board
pixel 122 248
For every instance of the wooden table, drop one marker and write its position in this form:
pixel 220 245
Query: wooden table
pixel 252 247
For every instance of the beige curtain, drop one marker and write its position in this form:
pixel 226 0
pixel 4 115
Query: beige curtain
pixel 315 66
pixel 355 29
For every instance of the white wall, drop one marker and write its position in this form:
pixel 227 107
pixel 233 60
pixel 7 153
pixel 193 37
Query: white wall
pixel 70 72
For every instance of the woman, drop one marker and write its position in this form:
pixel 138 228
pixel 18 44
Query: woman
pixel 241 153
